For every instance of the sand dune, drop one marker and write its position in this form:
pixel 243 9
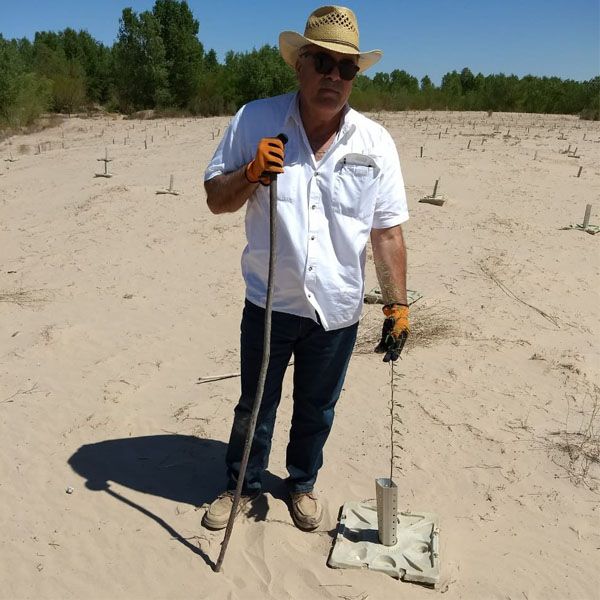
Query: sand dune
pixel 114 300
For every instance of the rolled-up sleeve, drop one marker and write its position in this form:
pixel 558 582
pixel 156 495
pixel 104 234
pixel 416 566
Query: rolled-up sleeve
pixel 391 208
pixel 229 155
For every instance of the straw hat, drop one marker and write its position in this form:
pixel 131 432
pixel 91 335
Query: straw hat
pixel 330 27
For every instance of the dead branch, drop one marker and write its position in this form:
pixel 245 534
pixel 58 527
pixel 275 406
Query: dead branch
pixel 512 295
pixel 31 390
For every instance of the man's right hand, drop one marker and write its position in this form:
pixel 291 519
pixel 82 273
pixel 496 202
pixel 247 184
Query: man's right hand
pixel 268 159
pixel 395 331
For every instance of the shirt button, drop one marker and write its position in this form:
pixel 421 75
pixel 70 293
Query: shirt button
pixel 314 206
pixel 310 268
pixel 309 295
pixel 312 237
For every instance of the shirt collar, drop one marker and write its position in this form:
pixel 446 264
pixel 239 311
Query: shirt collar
pixel 348 115
pixel 293 112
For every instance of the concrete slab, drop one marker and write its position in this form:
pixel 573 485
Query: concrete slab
pixel 414 557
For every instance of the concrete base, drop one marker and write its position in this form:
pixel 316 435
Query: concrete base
pixel 414 557
pixel 375 297
pixel 437 200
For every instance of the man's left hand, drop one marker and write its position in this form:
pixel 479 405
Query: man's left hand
pixel 395 331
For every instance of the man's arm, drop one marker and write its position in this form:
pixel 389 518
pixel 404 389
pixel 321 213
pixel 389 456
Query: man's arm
pixel 228 192
pixel 389 254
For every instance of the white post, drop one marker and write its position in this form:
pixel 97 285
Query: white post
pixel 586 217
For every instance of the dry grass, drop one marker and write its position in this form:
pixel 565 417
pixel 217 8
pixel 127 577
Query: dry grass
pixel 24 298
pixel 580 445
pixel 46 121
pixel 32 390
pixel 488 272
pixel 428 325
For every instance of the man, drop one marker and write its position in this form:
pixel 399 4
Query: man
pixel 339 183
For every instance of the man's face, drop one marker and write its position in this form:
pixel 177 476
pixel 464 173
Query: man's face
pixel 325 93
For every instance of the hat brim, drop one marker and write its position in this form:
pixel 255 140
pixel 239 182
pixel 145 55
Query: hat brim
pixel 290 43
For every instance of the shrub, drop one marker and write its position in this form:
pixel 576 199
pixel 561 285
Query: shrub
pixel 69 92
pixel 32 97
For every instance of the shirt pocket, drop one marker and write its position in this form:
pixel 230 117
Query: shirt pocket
pixel 355 186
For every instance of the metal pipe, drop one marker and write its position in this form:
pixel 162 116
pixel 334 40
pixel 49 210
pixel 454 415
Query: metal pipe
pixel 387 511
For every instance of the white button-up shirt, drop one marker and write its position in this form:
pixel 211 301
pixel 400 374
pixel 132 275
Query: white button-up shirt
pixel 325 209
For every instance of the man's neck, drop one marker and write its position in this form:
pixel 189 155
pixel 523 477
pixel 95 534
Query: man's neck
pixel 317 126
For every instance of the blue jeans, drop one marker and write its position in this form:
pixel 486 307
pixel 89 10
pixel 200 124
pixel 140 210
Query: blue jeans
pixel 320 362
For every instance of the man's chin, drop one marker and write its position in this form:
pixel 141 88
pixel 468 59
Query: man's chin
pixel 329 98
pixel 329 93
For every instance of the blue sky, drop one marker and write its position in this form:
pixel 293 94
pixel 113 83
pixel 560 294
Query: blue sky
pixel 423 37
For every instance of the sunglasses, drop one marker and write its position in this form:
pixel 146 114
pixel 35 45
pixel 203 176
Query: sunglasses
pixel 325 63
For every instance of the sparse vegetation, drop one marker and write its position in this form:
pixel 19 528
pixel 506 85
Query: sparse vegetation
pixel 23 297
pixel 579 443
pixel 428 325
pixel 158 62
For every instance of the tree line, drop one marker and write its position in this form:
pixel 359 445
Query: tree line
pixel 158 62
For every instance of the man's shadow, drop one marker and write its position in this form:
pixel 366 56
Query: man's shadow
pixel 181 468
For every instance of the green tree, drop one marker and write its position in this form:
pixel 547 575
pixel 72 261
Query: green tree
pixel 501 92
pixel 26 52
pixel 49 57
pixel 382 82
pixel 362 82
pixel 69 89
pixel 531 94
pixel 214 95
pixel 158 60
pixel 23 95
pixel 183 51
pixel 426 84
pixel 402 80
pixel 94 58
pixel 210 61
pixel 467 80
pixel 257 74
pixel 452 90
pixel 11 67
pixel 591 99
pixel 140 67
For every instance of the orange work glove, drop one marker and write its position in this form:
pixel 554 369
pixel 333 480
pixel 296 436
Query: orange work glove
pixel 268 159
pixel 395 331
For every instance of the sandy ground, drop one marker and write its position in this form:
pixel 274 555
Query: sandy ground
pixel 115 300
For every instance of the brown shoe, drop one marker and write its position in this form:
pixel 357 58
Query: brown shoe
pixel 307 511
pixel 217 515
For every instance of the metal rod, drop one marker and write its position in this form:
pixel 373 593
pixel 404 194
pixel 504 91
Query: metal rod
pixel 391 420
